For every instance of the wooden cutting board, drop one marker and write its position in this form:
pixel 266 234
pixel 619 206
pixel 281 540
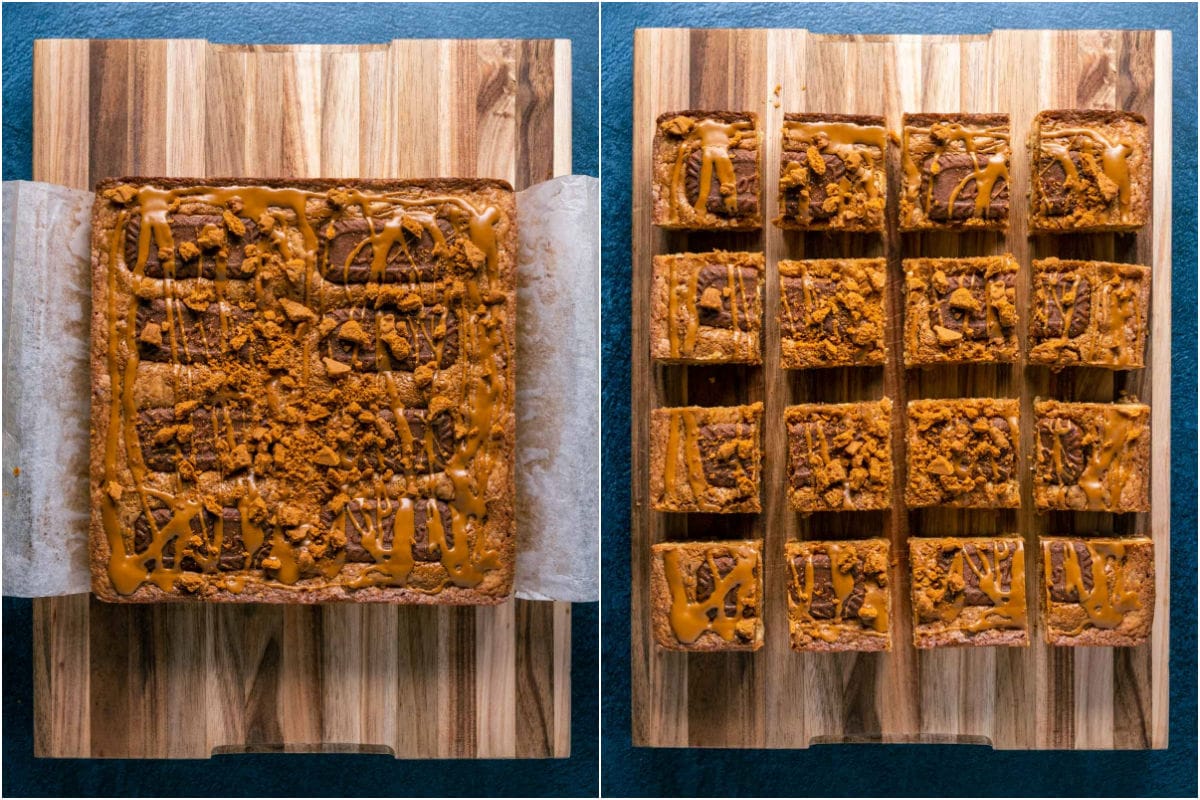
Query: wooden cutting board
pixel 1036 697
pixel 186 681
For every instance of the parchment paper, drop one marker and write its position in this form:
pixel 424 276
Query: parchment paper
pixel 47 305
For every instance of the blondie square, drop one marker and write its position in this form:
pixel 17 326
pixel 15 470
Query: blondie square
pixel 833 174
pixel 706 308
pixel 963 453
pixel 840 456
pixel 706 459
pixel 1091 171
pixel 1089 313
pixel 706 170
pixel 706 596
pixel 1092 456
pixel 838 595
pixel 960 310
pixel 954 172
pixel 1098 591
pixel 832 312
pixel 968 591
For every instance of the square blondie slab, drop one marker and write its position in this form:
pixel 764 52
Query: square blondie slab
pixel 706 308
pixel 839 598
pixel 1097 591
pixel 1089 313
pixel 706 458
pixel 707 171
pixel 303 390
pixel 954 172
pixel 968 591
pixel 832 312
pixel 840 456
pixel 1090 170
pixel 963 453
pixel 706 596
pixel 833 173
pixel 1091 456
pixel 960 310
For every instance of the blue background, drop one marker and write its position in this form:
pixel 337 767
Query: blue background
pixel 971 771
pixel 296 775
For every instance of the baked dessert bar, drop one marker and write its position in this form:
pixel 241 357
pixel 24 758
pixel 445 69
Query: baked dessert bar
pixel 838 595
pixel 706 308
pixel 833 174
pixel 960 310
pixel 954 172
pixel 706 596
pixel 963 453
pixel 706 170
pixel 1098 591
pixel 840 456
pixel 1092 456
pixel 968 591
pixel 302 390
pixel 832 312
pixel 1091 171
pixel 1089 313
pixel 706 459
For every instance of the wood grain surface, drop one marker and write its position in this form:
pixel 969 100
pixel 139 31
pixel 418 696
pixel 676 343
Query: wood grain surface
pixel 185 681
pixel 1037 697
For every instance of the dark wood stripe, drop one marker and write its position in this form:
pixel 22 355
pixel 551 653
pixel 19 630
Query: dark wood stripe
pixel 535 679
pixel 535 112
pixel 460 639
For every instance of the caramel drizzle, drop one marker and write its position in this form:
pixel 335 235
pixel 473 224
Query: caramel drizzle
pixel 875 599
pixel 468 469
pixel 842 139
pixel 714 140
pixel 1106 473
pixel 1105 608
pixel 678 291
pixel 684 433
pixel 1116 305
pixel 1114 159
pixel 988 144
pixel 1008 608
pixel 691 618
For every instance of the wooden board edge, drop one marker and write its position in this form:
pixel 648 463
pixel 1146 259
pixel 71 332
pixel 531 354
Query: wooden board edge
pixel 563 131
pixel 1160 341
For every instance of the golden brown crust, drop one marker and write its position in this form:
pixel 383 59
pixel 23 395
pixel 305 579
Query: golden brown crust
pixel 840 456
pixel 726 153
pixel 960 310
pixel 833 173
pixel 1091 456
pixel 963 453
pixel 832 312
pixel 239 333
pixel 839 596
pixel 1091 171
pixel 968 591
pixel 1089 313
pixel 1097 592
pixel 706 308
pixel 709 597
pixel 954 172
pixel 706 459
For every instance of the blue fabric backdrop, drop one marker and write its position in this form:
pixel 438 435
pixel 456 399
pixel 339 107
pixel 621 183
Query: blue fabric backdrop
pixel 295 775
pixel 890 769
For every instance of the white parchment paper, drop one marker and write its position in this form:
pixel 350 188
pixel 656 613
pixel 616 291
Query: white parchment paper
pixel 47 306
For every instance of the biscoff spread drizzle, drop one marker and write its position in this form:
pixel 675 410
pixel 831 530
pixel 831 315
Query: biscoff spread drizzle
pixel 683 325
pixel 1107 468
pixel 1110 336
pixel 859 147
pixel 1105 605
pixel 282 525
pixel 943 593
pixel 987 147
pixel 844 560
pixel 690 617
pixel 683 445
pixel 1101 155
pixel 714 139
